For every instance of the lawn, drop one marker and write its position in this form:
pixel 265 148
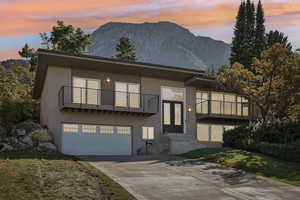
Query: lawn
pixel 50 177
pixel 287 172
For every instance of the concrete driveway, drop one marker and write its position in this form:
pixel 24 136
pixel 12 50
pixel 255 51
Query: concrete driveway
pixel 174 178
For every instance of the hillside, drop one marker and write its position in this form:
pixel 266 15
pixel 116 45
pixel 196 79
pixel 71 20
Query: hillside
pixel 162 43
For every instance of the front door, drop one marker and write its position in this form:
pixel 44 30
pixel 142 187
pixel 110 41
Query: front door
pixel 172 117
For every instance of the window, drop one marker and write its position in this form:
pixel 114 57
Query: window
pixel 242 106
pixel 148 133
pixel 70 128
pixel 221 103
pixel 217 103
pixel 173 94
pixel 86 91
pixel 203 132
pixel 89 128
pixel 211 132
pixel 167 113
pixel 216 133
pixel 178 114
pixel 106 129
pixel 127 95
pixel 123 130
pixel 202 102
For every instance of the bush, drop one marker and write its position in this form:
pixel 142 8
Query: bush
pixel 14 111
pixel 281 140
pixel 238 137
pixel 289 152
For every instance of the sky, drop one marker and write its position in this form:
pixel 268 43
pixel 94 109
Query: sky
pixel 23 20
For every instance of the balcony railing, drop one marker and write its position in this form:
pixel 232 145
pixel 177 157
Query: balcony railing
pixel 107 100
pixel 223 108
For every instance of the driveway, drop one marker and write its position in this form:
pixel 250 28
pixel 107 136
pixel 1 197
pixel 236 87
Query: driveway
pixel 174 178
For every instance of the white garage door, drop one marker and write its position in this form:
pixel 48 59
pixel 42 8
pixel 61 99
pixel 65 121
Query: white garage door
pixel 80 139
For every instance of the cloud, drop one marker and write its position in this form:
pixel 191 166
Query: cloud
pixel 20 18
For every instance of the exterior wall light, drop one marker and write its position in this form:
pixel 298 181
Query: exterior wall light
pixel 108 80
pixel 189 110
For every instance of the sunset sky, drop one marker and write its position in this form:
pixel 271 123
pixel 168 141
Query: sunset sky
pixel 23 20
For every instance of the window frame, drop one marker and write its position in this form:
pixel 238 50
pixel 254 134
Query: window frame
pixel 147 129
pixel 128 94
pixel 86 90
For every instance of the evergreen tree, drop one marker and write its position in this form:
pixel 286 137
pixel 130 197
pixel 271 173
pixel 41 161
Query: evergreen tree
pixel 274 37
pixel 126 50
pixel 247 52
pixel 29 54
pixel 239 34
pixel 260 30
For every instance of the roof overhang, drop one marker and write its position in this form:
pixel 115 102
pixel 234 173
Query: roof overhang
pixel 54 58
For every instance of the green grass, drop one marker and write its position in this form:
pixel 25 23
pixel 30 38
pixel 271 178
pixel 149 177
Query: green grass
pixel 287 172
pixel 28 176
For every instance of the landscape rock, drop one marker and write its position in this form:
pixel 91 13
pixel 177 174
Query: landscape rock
pixel 28 126
pixel 47 146
pixel 27 140
pixel 20 132
pixel 41 135
pixel 5 147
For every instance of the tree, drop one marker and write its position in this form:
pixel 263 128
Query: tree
pixel 247 52
pixel 260 30
pixel 268 83
pixel 66 39
pixel 62 38
pixel 16 104
pixel 126 50
pixel 29 54
pixel 274 37
pixel 239 30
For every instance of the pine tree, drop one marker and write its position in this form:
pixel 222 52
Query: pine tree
pixel 274 37
pixel 260 41
pixel 239 34
pixel 126 50
pixel 247 52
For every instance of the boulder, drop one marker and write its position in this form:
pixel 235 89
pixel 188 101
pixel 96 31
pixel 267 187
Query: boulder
pixel 27 140
pixel 28 126
pixel 41 135
pixel 5 147
pixel 47 146
pixel 20 132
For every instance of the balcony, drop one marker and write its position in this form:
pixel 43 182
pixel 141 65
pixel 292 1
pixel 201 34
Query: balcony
pixel 77 98
pixel 222 110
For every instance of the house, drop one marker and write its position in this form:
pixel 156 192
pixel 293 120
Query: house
pixel 103 106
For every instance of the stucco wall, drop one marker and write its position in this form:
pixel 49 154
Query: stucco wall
pixel 53 118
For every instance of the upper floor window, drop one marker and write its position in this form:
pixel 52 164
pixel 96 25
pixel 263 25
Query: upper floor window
pixel 221 103
pixel 173 94
pixel 127 94
pixel 86 91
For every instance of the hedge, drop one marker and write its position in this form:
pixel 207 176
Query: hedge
pixel 281 140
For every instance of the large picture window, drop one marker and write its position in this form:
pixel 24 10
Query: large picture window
pixel 127 95
pixel 211 132
pixel 86 91
pixel 221 104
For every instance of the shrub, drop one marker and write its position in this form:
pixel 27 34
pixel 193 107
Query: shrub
pixel 14 111
pixel 238 137
pixel 281 140
pixel 289 152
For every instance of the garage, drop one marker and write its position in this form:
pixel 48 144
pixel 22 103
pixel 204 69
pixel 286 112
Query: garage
pixel 86 139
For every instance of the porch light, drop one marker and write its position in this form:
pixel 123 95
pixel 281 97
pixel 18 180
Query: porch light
pixel 189 110
pixel 108 80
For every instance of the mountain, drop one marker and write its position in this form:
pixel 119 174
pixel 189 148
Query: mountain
pixel 161 43
pixel 9 63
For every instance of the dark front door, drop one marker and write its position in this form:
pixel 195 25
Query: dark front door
pixel 172 117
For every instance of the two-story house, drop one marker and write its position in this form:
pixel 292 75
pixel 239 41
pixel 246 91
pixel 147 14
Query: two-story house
pixel 103 106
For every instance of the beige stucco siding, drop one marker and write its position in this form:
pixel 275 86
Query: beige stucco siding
pixel 50 114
